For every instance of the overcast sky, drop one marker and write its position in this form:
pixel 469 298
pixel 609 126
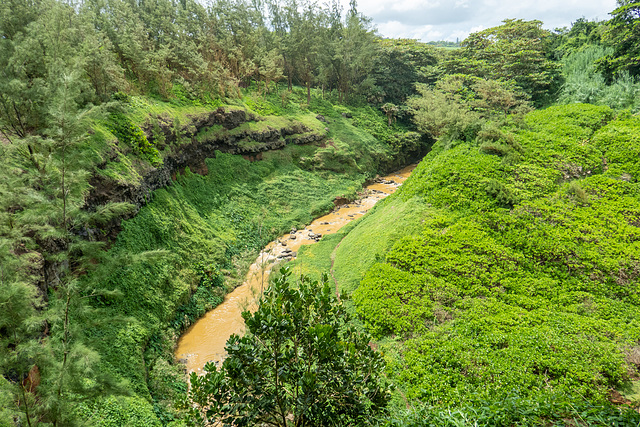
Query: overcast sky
pixel 430 20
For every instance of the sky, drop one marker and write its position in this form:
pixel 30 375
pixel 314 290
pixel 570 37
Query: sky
pixel 432 20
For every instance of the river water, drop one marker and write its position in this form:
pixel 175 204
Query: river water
pixel 205 340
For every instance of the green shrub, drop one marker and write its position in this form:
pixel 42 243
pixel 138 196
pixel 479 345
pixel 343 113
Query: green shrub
pixel 620 144
pixel 532 264
pixel 515 409
pixel 120 411
pixel 129 133
pixel 262 106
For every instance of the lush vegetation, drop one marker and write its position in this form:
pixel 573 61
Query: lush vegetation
pixel 513 244
pixel 97 101
pixel 301 363
pixel 528 262
pixel 174 260
pixel 500 280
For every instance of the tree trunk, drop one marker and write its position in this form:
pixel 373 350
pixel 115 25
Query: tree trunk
pixel 26 405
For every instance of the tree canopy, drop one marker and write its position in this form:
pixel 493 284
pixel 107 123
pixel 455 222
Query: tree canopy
pixel 516 50
pixel 623 34
pixel 301 363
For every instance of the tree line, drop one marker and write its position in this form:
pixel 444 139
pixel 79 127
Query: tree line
pixel 164 47
pixel 183 48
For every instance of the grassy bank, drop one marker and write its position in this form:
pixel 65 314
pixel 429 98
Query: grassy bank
pixel 194 240
pixel 483 262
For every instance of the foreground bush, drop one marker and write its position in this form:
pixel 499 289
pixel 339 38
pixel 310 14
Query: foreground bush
pixel 301 363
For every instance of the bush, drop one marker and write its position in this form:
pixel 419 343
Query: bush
pixel 129 133
pixel 300 359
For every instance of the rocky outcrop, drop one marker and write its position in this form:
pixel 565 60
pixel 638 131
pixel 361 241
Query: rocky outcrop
pixel 305 138
pixel 207 133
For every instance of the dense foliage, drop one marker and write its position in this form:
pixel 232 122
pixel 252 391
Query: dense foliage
pixel 517 50
pixel 399 66
pixel 301 363
pixel 175 49
pixel 528 263
pixel 623 33
pixel 457 106
pixel 513 244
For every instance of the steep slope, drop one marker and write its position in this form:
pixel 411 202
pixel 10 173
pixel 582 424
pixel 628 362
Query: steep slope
pixel 504 283
pixel 192 241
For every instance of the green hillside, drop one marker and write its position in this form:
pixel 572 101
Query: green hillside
pixel 149 150
pixel 517 281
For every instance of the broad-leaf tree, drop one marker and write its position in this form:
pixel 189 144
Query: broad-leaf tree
pixel 458 105
pixel 301 363
pixel 399 65
pixel 516 50
pixel 623 35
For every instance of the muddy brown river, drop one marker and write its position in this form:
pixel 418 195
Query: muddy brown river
pixel 205 340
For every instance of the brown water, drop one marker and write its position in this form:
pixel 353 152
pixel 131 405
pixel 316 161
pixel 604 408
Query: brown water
pixel 205 340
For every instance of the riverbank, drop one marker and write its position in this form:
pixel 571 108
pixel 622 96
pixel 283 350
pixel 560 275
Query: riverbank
pixel 193 242
pixel 205 340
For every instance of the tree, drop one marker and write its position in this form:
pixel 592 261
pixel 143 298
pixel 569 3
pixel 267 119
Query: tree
pixel 354 53
pixel 516 50
pixel 305 39
pixel 270 70
pixel 458 105
pixel 23 66
pixel 582 34
pixel 301 363
pixel 44 355
pixel 623 34
pixel 399 65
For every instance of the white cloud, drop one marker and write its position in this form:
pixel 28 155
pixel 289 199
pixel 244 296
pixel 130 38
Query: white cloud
pixel 445 19
pixel 413 5
pixel 424 32
pixel 394 27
